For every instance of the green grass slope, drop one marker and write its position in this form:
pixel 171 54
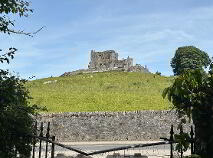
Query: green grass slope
pixel 107 91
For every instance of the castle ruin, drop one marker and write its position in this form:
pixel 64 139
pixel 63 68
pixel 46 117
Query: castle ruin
pixel 108 61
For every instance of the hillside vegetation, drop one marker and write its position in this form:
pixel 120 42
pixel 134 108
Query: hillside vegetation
pixel 106 91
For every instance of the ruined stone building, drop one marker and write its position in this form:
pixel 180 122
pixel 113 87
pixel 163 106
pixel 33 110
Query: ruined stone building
pixel 108 60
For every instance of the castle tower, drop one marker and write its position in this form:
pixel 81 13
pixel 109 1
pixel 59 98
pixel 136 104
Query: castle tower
pixel 103 60
pixel 108 60
pixel 129 62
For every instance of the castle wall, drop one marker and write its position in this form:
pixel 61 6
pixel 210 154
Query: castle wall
pixel 138 68
pixel 107 60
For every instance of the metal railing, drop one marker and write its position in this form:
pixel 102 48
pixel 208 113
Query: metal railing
pixel 40 139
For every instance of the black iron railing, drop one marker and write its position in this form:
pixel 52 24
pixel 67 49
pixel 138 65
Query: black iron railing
pixel 44 143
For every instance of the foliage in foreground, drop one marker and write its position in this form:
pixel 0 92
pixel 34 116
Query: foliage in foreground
pixel 192 95
pixel 15 112
pixel 15 116
pixel 107 91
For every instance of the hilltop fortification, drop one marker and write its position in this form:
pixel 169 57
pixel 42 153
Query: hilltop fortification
pixel 108 61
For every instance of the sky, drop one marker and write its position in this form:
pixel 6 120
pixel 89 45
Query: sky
pixel 148 31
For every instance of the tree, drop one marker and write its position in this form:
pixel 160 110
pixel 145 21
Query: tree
pixel 16 114
pixel 192 95
pixel 16 119
pixel 189 57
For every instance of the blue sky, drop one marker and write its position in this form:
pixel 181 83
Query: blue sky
pixel 148 31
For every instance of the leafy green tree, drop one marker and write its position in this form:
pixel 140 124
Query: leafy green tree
pixel 16 119
pixel 189 57
pixel 14 7
pixel 16 114
pixel 192 95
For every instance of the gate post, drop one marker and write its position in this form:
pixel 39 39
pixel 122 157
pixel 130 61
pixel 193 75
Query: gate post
pixel 192 140
pixel 181 147
pixel 47 136
pixel 40 135
pixel 34 139
pixel 171 141
pixel 53 148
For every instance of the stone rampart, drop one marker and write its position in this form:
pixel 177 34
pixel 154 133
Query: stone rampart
pixel 111 126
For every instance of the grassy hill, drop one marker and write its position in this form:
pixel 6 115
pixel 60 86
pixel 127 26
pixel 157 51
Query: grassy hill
pixel 107 91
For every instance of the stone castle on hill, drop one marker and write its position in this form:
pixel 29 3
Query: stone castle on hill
pixel 108 61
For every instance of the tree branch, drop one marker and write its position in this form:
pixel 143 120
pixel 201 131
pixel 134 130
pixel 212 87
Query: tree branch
pixel 31 34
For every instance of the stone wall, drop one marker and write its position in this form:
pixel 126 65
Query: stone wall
pixel 87 71
pixel 136 68
pixel 111 126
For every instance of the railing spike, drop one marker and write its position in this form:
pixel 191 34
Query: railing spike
pixel 40 135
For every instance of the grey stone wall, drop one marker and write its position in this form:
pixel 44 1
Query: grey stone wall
pixel 111 126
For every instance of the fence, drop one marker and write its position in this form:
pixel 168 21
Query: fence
pixel 46 139
pixel 173 142
pixel 44 144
